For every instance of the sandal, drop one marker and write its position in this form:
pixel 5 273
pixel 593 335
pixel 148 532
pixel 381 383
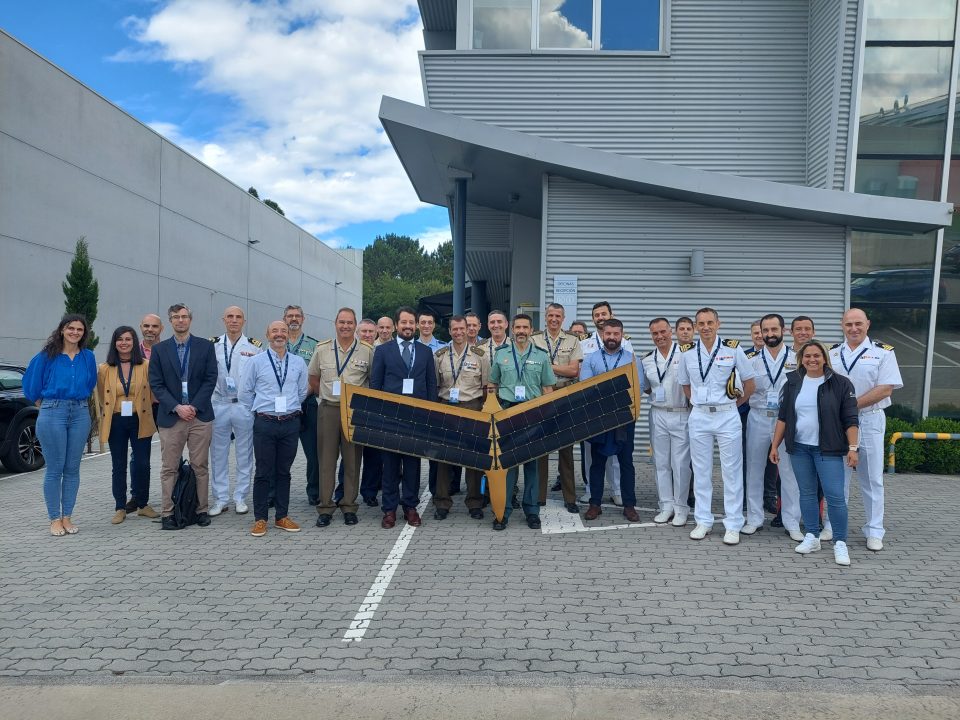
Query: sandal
pixel 56 528
pixel 68 526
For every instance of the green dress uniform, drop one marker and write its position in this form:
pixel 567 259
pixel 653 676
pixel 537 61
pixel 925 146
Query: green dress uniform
pixel 304 348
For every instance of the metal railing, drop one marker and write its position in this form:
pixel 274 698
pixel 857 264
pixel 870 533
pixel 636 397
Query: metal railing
pixel 891 449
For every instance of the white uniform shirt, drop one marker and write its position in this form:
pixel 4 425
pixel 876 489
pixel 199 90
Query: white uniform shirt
pixel 867 366
pixel 237 355
pixel 594 343
pixel 711 387
pixel 766 373
pixel 656 366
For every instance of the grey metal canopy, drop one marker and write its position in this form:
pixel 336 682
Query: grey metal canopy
pixel 506 168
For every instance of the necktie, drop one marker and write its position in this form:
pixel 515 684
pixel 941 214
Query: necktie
pixel 406 353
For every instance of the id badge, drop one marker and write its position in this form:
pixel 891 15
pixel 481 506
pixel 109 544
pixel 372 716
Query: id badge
pixel 773 400
pixel 126 408
pixel 280 404
pixel 700 395
pixel 231 384
pixel 336 388
pixel 519 393
pixel 184 396
pixel 408 386
pixel 454 395
pixel 659 394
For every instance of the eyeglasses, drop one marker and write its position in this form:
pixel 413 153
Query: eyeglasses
pixel 179 317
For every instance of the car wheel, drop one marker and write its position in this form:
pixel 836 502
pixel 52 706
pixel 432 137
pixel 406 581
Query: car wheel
pixel 24 454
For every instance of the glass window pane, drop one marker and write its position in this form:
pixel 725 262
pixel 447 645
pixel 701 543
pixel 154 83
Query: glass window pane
pixel 945 379
pixel 892 281
pixel 566 23
pixel 904 100
pixel 903 177
pixel 910 19
pixel 630 24
pixel 502 24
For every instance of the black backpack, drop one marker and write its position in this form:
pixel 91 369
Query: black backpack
pixel 185 501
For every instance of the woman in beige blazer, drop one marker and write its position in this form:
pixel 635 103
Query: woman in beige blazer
pixel 126 419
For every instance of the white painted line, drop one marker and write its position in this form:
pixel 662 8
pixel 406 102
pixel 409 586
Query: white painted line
pixel 361 621
pixel 923 346
pixel 554 519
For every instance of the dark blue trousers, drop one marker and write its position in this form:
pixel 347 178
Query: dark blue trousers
pixel 628 476
pixel 123 434
pixel 401 481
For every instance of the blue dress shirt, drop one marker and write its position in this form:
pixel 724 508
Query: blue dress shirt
pixel 60 378
pixel 259 386
pixel 592 364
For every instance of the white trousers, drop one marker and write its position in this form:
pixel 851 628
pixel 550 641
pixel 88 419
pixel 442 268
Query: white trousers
pixel 759 436
pixel 726 429
pixel 230 418
pixel 870 472
pixel 671 457
pixel 612 471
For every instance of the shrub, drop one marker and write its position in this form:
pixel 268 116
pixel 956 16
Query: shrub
pixel 941 457
pixel 910 453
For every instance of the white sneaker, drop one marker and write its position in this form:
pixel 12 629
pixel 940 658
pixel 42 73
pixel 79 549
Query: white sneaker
pixel 699 532
pixel 731 537
pixel 810 544
pixel 584 499
pixel 749 529
pixel 663 516
pixel 840 553
pixel 616 500
pixel 218 507
pixel 875 544
pixel 826 534
pixel 680 518
pixel 795 535
pixel 241 507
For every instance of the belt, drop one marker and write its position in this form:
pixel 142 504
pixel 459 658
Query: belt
pixel 666 408
pixel 771 413
pixel 868 412
pixel 279 418
pixel 227 401
pixel 330 403
pixel 727 407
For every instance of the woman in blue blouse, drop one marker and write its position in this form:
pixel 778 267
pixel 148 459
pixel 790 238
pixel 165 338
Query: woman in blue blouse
pixel 60 379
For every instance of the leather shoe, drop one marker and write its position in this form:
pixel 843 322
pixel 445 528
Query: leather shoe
pixel 371 502
pixel 412 517
pixel 593 512
pixel 324 520
pixel 203 519
pixel 131 506
pixel 476 514
pixel 572 508
pixel 499 524
pixel 631 514
pixel 350 518
pixel 515 504
pixel 439 514
pixel 533 522
pixel 556 485
pixel 777 521
pixel 168 523
pixel 389 520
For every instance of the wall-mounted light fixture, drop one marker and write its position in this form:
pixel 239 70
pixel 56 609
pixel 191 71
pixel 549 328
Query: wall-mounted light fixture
pixel 696 263
pixel 253 242
pixel 338 282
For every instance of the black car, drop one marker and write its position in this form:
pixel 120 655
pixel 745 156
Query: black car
pixel 19 446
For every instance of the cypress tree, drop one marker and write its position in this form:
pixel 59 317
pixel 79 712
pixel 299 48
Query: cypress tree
pixel 81 290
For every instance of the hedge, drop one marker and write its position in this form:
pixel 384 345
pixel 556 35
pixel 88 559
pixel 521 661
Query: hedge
pixel 932 456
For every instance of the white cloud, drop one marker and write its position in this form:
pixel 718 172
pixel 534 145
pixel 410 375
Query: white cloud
pixel 432 237
pixel 308 76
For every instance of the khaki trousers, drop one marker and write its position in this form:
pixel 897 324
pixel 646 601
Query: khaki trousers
pixel 332 444
pixel 441 496
pixel 196 436
pixel 567 484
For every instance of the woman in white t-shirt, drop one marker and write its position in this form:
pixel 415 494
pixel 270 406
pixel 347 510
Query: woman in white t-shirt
pixel 819 422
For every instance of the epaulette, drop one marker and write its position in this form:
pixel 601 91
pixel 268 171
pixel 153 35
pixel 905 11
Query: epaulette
pixel 538 332
pixel 366 344
pixel 883 346
pixel 322 342
pixel 686 346
pixel 834 347
pixel 752 353
pixel 308 337
pixel 441 351
pixel 478 350
pixel 253 341
pixel 647 354
pixel 626 337
pixel 214 338
pixel 731 343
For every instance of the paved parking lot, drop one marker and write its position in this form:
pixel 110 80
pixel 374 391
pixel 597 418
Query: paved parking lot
pixel 454 601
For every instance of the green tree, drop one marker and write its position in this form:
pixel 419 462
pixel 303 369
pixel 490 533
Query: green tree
pixel 81 290
pixel 273 206
pixel 253 191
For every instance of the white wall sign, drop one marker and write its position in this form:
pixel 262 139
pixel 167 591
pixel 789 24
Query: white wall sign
pixel 565 293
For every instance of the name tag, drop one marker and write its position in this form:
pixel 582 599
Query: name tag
pixel 659 394
pixel 773 400
pixel 408 386
pixel 184 395
pixel 280 404
pixel 126 408
pixel 700 395
pixel 519 393
pixel 336 388
pixel 454 395
pixel 231 384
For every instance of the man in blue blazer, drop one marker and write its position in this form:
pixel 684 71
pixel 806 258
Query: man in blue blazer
pixel 404 367
pixel 183 374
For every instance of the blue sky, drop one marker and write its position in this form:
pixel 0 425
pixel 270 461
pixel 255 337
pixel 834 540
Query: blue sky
pixel 279 94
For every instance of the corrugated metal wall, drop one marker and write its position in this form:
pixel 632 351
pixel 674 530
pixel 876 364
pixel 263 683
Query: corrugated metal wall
pixel 848 86
pixel 488 251
pixel 826 35
pixel 731 97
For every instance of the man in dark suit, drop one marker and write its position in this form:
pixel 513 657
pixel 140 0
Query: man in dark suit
pixel 404 367
pixel 183 374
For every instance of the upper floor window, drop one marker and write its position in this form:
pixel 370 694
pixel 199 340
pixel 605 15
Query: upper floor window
pixel 626 25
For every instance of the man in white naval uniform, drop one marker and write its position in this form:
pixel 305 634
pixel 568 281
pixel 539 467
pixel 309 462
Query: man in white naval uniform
pixel 233 350
pixel 873 370
pixel 770 365
pixel 705 373
pixel 669 413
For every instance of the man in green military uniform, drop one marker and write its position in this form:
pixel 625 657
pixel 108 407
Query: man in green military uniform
pixel 303 345
pixel 521 371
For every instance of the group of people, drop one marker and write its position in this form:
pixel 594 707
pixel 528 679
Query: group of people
pixel 814 413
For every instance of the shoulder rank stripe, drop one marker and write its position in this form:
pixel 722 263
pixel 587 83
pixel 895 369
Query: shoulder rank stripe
pixel 883 345
pixel 731 343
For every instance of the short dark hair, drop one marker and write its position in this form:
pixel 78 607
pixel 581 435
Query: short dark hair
pixel 54 345
pixel 497 312
pixel 703 310
pixel 288 308
pixel 773 316
pixel 403 309
pixel 521 316
pixel 471 314
pixel 346 309
pixel 798 318
pixel 581 323
pixel 113 355
pixel 556 306
pixel 600 304
pixel 657 320
pixel 612 322
pixel 431 313
pixel 177 307
pixel 367 321
pixel 457 318
pixel 683 319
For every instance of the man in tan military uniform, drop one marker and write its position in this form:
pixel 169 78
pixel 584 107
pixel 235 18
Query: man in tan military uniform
pixel 346 359
pixel 462 374
pixel 565 357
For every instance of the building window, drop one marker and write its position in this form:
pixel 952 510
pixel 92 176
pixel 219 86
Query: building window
pixel 609 25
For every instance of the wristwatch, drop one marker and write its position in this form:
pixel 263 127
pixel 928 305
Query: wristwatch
pixel 855 448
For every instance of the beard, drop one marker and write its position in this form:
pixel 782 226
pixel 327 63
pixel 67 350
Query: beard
pixel 771 341
pixel 611 345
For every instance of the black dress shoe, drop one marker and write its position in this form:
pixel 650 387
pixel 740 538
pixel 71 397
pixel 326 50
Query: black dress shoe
pixel 371 502
pixel 777 521
pixel 168 523
pixel 499 524
pixel 556 485
pixel 533 522
pixel 543 504
pixel 476 514
pixel 131 506
pixel 350 518
pixel 515 503
pixel 439 514
pixel 324 520
pixel 203 519
pixel 572 508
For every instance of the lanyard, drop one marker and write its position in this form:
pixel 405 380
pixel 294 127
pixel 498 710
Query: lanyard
pixel 703 375
pixel 125 383
pixel 660 375
pixel 183 363
pixel 456 373
pixel 336 357
pixel 773 379
pixel 603 356
pixel 553 353
pixel 854 363
pixel 517 364
pixel 228 359
pixel 281 379
pixel 492 348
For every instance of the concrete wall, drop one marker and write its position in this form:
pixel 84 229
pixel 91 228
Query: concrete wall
pixel 162 227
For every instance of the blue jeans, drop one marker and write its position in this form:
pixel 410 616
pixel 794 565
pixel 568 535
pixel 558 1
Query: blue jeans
pixel 531 489
pixel 63 427
pixel 808 463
